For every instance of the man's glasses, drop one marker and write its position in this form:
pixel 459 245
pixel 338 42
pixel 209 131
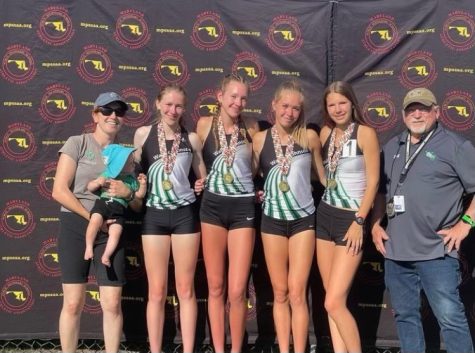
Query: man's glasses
pixel 108 111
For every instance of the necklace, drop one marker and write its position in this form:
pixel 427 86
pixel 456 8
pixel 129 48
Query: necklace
pixel 228 151
pixel 168 157
pixel 283 161
pixel 335 154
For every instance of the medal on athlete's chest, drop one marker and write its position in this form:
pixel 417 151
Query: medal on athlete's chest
pixel 228 178
pixel 284 160
pixel 284 186
pixel 167 185
pixel 168 157
pixel 331 184
pixel 228 150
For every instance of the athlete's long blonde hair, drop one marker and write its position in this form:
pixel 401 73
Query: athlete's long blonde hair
pixel 299 132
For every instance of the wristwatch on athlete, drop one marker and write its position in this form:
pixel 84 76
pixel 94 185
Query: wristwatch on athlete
pixel 359 220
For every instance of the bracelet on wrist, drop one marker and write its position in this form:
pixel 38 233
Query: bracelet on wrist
pixel 468 220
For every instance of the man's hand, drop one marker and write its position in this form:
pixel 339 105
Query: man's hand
pixel 453 236
pixel 379 237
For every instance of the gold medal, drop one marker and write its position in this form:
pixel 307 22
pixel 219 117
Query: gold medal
pixel 167 185
pixel 284 186
pixel 331 184
pixel 228 178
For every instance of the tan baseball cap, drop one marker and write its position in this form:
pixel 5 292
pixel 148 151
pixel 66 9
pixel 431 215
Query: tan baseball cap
pixel 419 95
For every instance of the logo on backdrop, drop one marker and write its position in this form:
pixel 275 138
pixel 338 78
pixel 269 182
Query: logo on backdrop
pixel 249 65
pixel 131 29
pixel 93 298
pixel 381 34
pixel 134 268
pixel 55 27
pixel 379 111
pixel 18 65
pixel 418 70
pixel 284 35
pixel 17 219
pixel 208 32
pixel 457 111
pixel 94 65
pixel 46 180
pixel 47 262
pixel 371 273
pixel 57 104
pixel 139 109
pixel 458 31
pixel 205 105
pixel 171 67
pixel 16 296
pixel 19 143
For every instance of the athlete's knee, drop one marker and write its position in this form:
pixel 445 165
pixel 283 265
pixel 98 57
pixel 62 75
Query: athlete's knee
pixel 297 296
pixel 185 291
pixel 236 295
pixel 281 295
pixel 157 296
pixel 216 290
pixel 73 307
pixel 334 305
pixel 112 305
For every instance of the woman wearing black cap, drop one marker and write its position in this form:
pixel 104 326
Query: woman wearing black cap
pixel 80 160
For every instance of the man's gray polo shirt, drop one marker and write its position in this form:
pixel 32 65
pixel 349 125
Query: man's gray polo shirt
pixel 433 190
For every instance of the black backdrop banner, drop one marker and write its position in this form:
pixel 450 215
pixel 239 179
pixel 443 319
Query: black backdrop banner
pixel 57 56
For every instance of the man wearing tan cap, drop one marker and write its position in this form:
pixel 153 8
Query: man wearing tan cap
pixel 427 171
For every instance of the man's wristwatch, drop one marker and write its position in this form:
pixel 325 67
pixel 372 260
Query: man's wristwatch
pixel 359 220
pixel 468 220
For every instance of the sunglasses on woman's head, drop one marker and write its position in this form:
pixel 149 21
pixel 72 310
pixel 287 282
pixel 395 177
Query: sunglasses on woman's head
pixel 108 111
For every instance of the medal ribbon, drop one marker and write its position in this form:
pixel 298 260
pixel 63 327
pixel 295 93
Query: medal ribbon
pixel 168 157
pixel 228 151
pixel 283 161
pixel 335 155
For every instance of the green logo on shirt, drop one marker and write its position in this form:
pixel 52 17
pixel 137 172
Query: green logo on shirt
pixel 89 155
pixel 431 155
